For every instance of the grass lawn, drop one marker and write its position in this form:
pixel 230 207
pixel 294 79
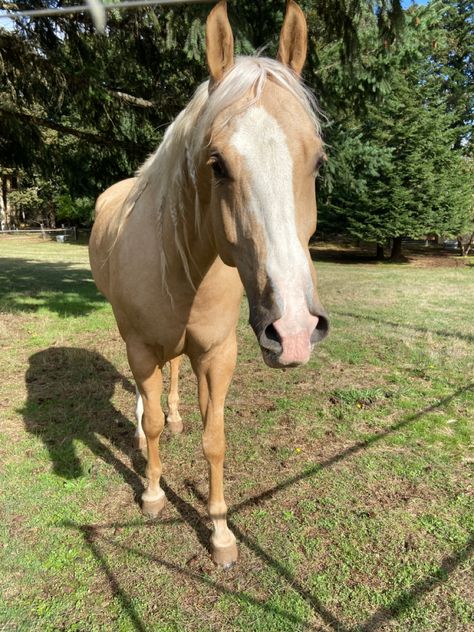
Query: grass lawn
pixel 349 481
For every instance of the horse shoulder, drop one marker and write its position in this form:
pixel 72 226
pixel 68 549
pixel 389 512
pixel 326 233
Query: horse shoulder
pixel 105 230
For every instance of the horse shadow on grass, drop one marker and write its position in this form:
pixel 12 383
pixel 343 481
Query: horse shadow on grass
pixel 69 402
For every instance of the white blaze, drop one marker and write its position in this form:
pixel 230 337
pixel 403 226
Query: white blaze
pixel 263 146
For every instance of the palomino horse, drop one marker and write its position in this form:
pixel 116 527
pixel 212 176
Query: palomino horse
pixel 227 199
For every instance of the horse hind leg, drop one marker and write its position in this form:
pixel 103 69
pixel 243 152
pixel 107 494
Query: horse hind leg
pixel 148 377
pixel 173 419
pixel 139 438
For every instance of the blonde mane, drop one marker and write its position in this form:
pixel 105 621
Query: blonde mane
pixel 177 157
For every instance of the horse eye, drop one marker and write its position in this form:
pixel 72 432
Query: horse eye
pixel 218 167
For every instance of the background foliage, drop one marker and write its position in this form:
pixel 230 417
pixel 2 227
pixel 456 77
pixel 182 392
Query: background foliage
pixel 80 110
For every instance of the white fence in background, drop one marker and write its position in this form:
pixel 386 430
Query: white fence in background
pixel 61 235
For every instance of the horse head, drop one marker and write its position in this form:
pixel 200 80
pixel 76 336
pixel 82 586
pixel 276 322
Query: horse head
pixel 264 151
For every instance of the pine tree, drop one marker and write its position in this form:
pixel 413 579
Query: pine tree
pixel 411 177
pixel 454 64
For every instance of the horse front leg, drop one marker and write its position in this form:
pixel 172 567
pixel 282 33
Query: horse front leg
pixel 173 418
pixel 214 372
pixel 148 377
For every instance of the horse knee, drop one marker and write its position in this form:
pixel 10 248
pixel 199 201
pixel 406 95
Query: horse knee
pixel 213 448
pixel 153 424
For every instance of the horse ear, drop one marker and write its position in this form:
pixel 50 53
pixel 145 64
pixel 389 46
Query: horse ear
pixel 293 38
pixel 219 41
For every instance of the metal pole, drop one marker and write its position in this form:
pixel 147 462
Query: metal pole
pixel 127 4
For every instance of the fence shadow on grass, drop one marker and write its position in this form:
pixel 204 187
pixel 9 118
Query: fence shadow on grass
pixel 350 451
pixel 419 328
pixel 62 288
pixel 69 392
pixel 405 601
pixel 93 537
pixel 280 568
pixel 409 597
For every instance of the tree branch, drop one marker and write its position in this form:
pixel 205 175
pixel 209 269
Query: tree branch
pixel 129 98
pixel 92 137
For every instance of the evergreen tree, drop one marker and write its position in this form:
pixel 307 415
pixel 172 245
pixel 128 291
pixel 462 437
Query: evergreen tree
pixel 409 175
pixel 79 110
pixel 454 65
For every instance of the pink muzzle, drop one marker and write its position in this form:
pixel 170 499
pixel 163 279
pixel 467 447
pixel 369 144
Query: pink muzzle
pixel 295 335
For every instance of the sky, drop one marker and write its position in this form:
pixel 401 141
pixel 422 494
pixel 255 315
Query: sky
pixel 406 3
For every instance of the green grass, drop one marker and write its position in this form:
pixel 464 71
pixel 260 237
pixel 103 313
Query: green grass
pixel 349 481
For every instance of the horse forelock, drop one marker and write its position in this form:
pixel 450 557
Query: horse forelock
pixel 248 77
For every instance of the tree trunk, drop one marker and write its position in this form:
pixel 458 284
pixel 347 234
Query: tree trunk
pixel 51 215
pixel 469 245
pixel 396 253
pixel 3 218
pixel 6 210
pixel 379 253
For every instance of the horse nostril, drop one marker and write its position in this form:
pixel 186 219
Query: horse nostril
pixel 272 334
pixel 321 329
pixel 271 339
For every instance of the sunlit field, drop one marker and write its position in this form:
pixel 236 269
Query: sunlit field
pixel 349 481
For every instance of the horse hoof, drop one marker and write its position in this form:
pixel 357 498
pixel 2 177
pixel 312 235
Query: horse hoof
pixel 176 427
pixel 225 556
pixel 151 508
pixel 139 443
